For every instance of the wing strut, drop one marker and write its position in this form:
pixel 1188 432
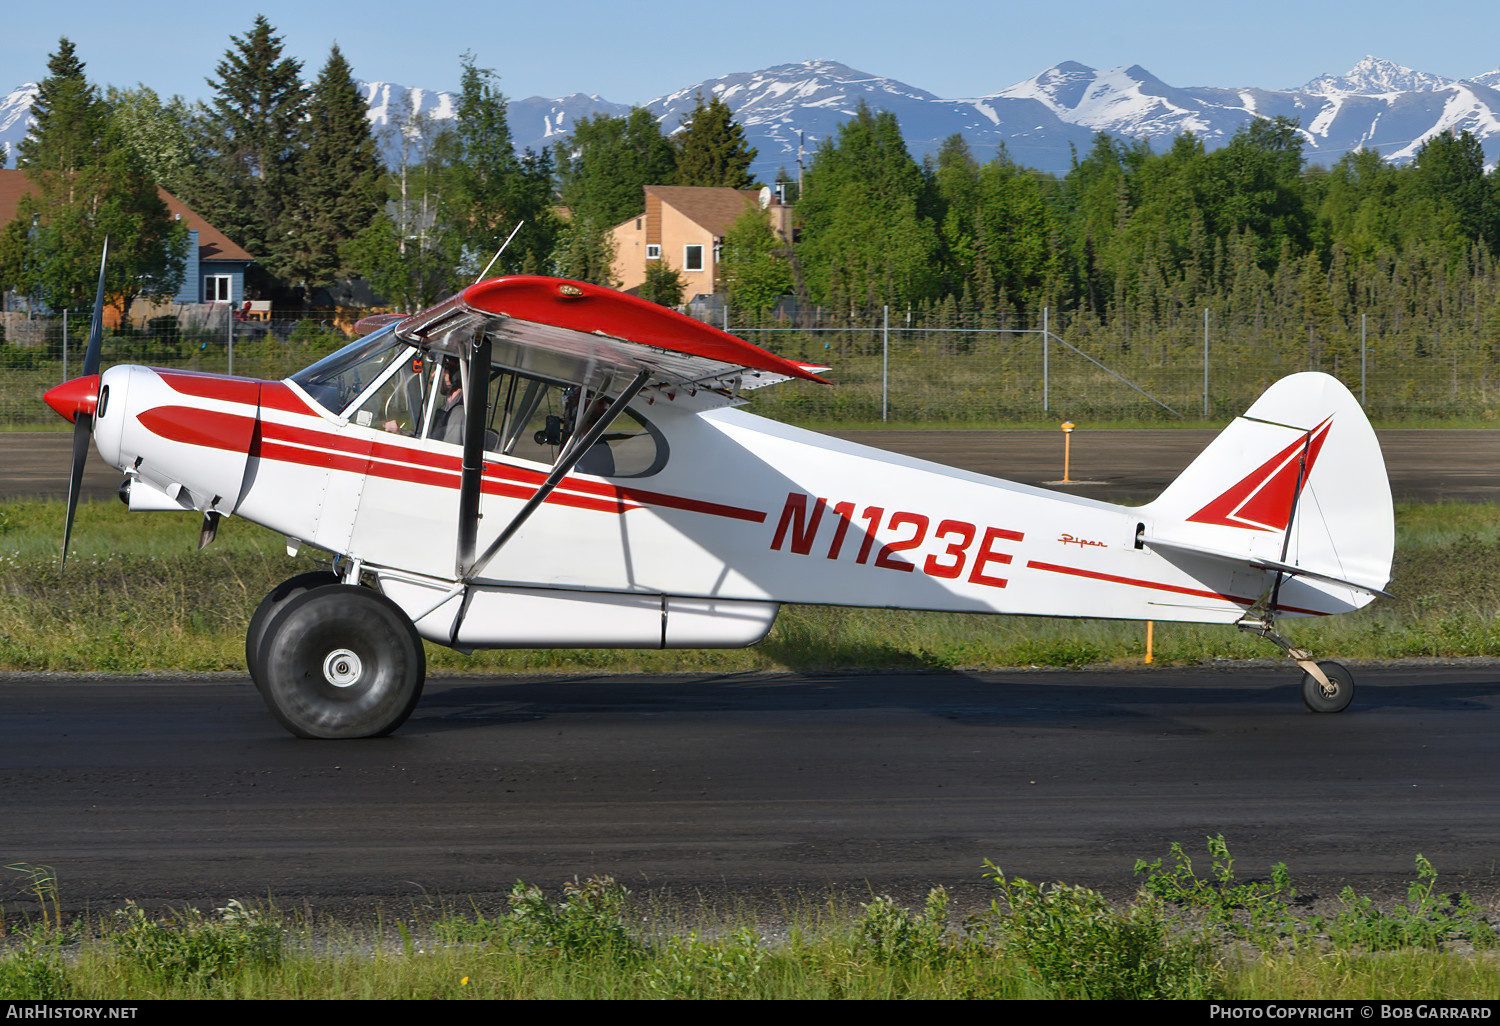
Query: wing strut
pixel 577 447
pixel 476 394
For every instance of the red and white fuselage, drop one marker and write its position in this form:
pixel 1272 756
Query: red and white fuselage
pixel 744 513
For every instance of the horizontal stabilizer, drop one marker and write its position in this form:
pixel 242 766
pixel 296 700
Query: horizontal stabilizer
pixel 1263 563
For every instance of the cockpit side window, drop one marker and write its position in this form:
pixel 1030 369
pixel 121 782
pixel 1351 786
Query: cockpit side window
pixel 400 401
pixel 534 419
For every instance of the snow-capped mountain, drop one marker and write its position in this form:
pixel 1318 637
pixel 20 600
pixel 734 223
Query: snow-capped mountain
pixel 15 120
pixel 535 122
pixel 1377 105
pixel 799 105
pixel 1372 77
pixel 788 109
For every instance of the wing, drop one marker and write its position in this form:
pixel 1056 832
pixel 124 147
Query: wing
pixel 576 332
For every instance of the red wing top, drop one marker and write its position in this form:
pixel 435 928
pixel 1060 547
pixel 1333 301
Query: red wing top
pixel 568 329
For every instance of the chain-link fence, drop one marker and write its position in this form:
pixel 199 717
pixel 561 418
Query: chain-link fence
pixel 896 372
pixel 37 353
pixel 954 371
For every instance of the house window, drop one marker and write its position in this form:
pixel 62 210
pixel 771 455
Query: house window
pixel 216 288
pixel 653 252
pixel 692 258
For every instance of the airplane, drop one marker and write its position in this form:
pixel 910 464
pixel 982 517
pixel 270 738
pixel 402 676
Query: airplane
pixel 539 463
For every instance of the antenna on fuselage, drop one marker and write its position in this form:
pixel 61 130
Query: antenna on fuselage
pixel 503 245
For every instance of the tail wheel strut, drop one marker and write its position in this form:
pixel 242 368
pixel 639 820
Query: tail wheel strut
pixel 1327 686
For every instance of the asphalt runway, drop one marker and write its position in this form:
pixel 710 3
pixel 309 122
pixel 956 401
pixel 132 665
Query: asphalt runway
pixel 747 791
pixel 1128 467
pixel 765 790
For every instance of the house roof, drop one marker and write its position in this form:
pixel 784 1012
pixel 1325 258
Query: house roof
pixel 714 209
pixel 212 243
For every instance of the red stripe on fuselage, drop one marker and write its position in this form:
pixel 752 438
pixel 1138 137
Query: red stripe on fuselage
pixel 212 386
pixel 1175 589
pixel 249 391
pixel 207 428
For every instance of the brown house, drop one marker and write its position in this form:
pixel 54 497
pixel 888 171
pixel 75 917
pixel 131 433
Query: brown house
pixel 684 227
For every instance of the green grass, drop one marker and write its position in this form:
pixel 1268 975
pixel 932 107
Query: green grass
pixel 137 596
pixel 1180 937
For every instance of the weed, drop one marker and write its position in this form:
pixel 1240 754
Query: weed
pixel 198 950
pixel 1074 941
pixel 1254 910
pixel 41 883
pixel 1262 913
pixel 589 923
pixel 695 970
pixel 34 971
pixel 1426 921
pixel 893 935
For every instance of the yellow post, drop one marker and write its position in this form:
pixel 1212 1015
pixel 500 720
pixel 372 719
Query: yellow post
pixel 1067 447
pixel 1149 625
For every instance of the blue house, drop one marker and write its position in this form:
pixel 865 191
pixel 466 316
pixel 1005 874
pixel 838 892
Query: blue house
pixel 215 269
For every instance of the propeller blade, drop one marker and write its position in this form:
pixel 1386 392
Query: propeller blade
pixel 96 327
pixel 83 420
pixel 83 428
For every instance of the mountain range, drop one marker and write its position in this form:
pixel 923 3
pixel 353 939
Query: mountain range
pixel 1041 122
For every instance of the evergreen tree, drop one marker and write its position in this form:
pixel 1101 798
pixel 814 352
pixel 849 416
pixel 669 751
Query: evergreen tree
pixel 253 137
pixel 68 120
pixel 956 179
pixel 868 236
pixel 1015 231
pixel 1450 169
pixel 491 189
pixel 339 184
pixel 663 284
pixel 585 252
pixel 711 148
pixel 86 184
pixel 1254 183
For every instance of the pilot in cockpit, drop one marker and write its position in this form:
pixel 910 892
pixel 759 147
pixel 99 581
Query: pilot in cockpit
pixel 448 421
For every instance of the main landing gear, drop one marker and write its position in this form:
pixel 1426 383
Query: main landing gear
pixel 334 660
pixel 1327 686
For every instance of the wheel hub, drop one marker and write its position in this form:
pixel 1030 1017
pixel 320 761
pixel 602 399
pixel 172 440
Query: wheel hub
pixel 342 668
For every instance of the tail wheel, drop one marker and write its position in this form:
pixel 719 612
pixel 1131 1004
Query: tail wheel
pixel 1332 699
pixel 272 604
pixel 340 661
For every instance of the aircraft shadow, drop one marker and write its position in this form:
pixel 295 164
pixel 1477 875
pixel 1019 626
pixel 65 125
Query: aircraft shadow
pixel 991 699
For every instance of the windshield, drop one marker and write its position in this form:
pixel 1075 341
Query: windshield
pixel 338 379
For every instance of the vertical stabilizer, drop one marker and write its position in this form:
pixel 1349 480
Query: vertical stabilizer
pixel 1298 480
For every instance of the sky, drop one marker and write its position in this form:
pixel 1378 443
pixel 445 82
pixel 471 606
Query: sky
pixel 633 52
